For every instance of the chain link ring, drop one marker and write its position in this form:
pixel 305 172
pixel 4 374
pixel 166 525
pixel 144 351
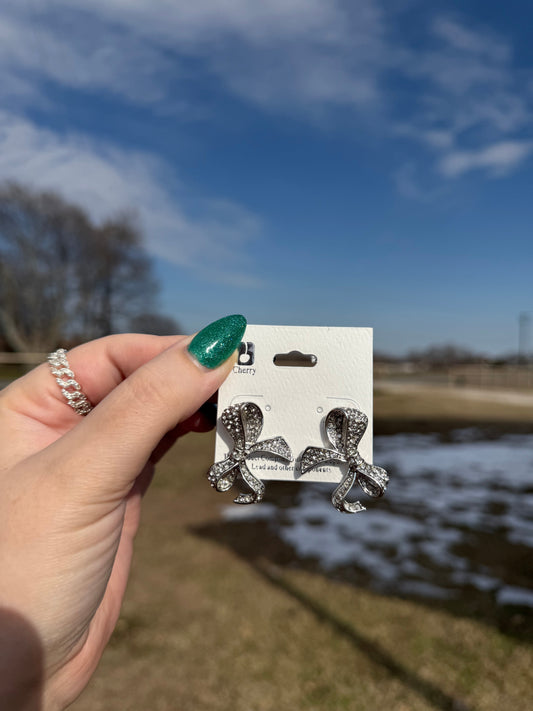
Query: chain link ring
pixel 66 380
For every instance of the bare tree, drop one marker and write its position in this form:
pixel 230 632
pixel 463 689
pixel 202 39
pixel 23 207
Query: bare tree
pixel 438 356
pixel 63 277
pixel 158 324
pixel 117 281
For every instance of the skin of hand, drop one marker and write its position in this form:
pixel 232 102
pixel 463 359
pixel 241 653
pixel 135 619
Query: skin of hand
pixel 70 498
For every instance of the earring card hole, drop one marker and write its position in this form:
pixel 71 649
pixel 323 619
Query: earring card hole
pixel 295 359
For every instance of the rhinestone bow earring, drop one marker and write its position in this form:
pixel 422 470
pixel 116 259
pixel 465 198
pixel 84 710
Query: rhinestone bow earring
pixel 345 428
pixel 244 422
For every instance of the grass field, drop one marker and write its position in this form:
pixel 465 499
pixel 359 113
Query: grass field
pixel 215 622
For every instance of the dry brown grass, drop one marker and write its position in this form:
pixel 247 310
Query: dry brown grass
pixel 204 626
pixel 472 406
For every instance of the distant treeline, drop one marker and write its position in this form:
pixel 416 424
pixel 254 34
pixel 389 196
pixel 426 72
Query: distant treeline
pixel 437 356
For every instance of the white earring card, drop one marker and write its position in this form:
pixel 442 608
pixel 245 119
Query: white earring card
pixel 296 375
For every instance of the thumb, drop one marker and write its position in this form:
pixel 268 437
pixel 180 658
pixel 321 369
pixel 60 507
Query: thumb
pixel 106 451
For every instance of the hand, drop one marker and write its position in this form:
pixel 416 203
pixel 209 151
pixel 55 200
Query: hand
pixel 70 498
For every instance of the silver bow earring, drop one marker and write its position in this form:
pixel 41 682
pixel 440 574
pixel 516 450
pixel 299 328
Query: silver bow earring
pixel 345 428
pixel 244 422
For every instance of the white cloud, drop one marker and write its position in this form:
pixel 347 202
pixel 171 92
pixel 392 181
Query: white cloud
pixel 484 44
pixel 89 55
pixel 411 183
pixel 430 137
pixel 287 54
pixel 105 180
pixel 438 139
pixel 461 60
pixel 472 108
pixel 466 81
pixel 406 184
pixel 499 159
pixel 304 57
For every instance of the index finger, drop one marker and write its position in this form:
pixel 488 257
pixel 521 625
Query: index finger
pixel 99 366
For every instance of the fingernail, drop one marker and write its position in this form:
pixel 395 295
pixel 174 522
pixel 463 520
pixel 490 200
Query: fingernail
pixel 215 343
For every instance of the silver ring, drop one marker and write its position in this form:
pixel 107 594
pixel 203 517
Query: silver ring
pixel 66 380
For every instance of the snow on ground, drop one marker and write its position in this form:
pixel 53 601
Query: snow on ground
pixel 456 515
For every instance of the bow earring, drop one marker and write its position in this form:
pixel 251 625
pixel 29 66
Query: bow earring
pixel 244 422
pixel 345 428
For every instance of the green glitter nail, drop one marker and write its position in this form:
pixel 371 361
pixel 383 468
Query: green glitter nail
pixel 215 343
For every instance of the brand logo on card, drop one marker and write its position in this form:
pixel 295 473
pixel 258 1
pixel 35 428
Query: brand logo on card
pixel 245 359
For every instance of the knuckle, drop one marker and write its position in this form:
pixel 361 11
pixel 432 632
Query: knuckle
pixel 147 390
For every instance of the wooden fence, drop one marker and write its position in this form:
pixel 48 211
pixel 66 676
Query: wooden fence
pixel 481 375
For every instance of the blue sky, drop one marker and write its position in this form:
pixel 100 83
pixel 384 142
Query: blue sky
pixel 312 162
